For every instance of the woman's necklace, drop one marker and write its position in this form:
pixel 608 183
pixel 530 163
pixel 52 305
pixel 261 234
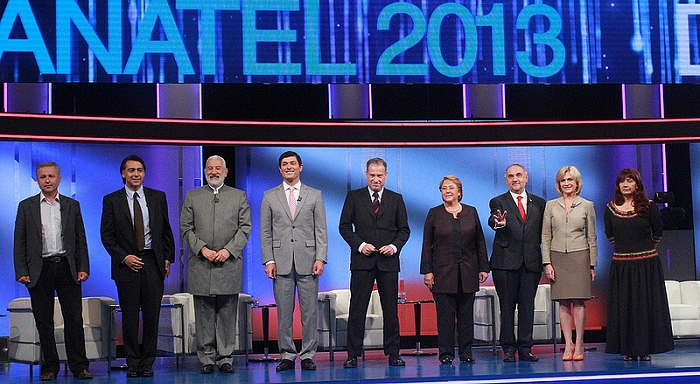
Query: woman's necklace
pixel 453 210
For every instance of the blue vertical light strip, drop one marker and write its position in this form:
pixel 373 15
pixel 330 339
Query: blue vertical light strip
pixel 4 97
pixel 585 43
pixel 371 105
pixel 158 113
pixel 465 101
pixel 624 101
pixel 665 49
pixel 331 34
pixel 503 101
pixel 49 99
pixel 330 101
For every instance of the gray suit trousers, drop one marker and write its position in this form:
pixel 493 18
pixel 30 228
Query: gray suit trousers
pixel 284 287
pixel 215 318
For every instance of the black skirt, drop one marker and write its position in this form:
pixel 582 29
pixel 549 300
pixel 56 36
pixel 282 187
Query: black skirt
pixel 639 323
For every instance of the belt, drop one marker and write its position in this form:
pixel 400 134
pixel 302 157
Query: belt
pixel 53 259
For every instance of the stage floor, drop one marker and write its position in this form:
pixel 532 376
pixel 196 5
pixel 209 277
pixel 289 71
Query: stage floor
pixel 679 366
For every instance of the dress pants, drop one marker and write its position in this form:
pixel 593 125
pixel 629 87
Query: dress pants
pixel 215 320
pixel 361 284
pixel 516 287
pixel 57 277
pixel 284 287
pixel 449 306
pixel 144 293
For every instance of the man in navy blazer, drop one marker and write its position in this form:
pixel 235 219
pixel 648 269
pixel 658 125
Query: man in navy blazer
pixel 374 223
pixel 51 255
pixel 516 260
pixel 139 263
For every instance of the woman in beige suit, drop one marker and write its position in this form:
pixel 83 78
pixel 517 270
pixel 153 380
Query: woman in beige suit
pixel 569 254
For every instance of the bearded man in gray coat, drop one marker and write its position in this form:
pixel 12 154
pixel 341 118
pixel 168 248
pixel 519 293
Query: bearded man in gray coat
pixel 215 225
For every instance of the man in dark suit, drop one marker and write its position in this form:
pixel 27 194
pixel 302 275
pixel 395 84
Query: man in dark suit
pixel 516 260
pixel 374 223
pixel 51 255
pixel 136 233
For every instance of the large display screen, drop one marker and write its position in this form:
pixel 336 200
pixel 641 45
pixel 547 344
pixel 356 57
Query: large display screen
pixel 349 41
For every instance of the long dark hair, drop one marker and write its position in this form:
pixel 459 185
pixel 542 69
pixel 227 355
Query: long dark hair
pixel 640 200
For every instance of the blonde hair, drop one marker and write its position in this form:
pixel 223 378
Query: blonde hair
pixel 574 173
pixel 455 180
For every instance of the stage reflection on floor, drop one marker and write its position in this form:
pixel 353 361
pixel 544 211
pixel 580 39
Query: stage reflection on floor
pixel 679 366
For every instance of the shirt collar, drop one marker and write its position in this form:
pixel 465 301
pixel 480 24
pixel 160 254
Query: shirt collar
pixel 216 190
pixel 130 192
pixel 287 186
pixel 371 193
pixel 515 195
pixel 42 197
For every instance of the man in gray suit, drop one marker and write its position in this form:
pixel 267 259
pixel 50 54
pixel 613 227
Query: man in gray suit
pixel 294 244
pixel 215 224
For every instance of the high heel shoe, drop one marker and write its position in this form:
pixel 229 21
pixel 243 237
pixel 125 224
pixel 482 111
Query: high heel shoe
pixel 579 349
pixel 578 357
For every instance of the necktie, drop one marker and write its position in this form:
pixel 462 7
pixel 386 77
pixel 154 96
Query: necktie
pixel 521 208
pixel 139 231
pixel 292 201
pixel 375 202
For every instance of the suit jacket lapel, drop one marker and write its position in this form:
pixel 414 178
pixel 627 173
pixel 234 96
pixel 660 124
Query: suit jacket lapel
pixel 384 204
pixel 36 213
pixel 367 201
pixel 513 207
pixel 282 196
pixel 65 212
pixel 303 196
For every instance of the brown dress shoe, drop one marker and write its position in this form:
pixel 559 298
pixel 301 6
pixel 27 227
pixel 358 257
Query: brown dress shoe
pixel 48 375
pixel 84 375
pixel 509 357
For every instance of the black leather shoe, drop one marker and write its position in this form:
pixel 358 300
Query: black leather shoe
pixel 528 356
pixel 308 365
pixel 83 375
pixel 48 375
pixel 469 360
pixel 395 360
pixel 132 372
pixel 147 372
pixel 207 369
pixel 226 368
pixel 351 362
pixel 446 360
pixel 285 365
pixel 509 357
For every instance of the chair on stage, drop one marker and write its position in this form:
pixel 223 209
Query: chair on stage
pixel 684 307
pixel 338 303
pixel 177 330
pixel 542 328
pixel 24 347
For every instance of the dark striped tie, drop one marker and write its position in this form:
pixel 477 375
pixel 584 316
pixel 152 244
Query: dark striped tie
pixel 375 202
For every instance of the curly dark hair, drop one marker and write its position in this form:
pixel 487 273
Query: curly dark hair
pixel 640 200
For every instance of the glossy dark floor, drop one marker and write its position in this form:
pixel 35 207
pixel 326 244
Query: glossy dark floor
pixel 679 366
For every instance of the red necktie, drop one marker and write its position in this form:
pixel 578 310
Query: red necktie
pixel 521 208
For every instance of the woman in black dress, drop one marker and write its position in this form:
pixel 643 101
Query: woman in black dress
pixel 639 323
pixel 453 263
